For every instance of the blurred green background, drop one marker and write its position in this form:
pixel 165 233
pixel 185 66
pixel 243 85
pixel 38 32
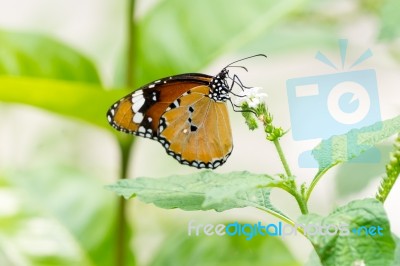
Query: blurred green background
pixel 63 63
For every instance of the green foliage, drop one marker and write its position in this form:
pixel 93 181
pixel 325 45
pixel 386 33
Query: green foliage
pixel 396 261
pixel 58 79
pixel 251 122
pixel 348 249
pixel 72 202
pixel 42 72
pixel 81 101
pixel 390 19
pixel 173 37
pixel 194 33
pixel 33 55
pixel 223 251
pixel 362 174
pixel 392 172
pixel 261 113
pixel 201 191
pixel 29 236
pixel 343 148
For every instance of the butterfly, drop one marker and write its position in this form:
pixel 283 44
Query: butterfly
pixel 186 113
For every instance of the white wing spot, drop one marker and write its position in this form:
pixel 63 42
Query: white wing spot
pixel 138 118
pixel 142 129
pixel 137 93
pixel 137 98
pixel 138 104
pixel 152 86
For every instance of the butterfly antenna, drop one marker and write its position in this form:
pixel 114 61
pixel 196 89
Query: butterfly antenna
pixel 263 55
pixel 239 67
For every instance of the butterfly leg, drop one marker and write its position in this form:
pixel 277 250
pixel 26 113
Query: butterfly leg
pixel 240 110
pixel 236 80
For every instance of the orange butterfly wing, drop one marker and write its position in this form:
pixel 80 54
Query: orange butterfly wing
pixel 178 112
pixel 197 132
pixel 139 112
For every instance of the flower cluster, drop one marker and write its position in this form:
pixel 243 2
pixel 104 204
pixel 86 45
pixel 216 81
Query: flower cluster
pixel 253 108
pixel 251 96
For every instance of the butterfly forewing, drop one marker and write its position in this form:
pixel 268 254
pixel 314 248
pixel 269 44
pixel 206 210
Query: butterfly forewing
pixel 139 112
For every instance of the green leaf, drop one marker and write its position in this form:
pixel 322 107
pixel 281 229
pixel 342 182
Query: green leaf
pixel 348 248
pixel 80 205
pixel 28 236
pixel 396 261
pixel 201 191
pixel 342 148
pixel 361 174
pixel 33 55
pixel 180 249
pixel 194 33
pixel 390 20
pixel 78 100
pixel 313 259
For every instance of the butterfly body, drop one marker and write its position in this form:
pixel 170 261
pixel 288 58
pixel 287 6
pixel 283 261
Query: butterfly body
pixel 186 113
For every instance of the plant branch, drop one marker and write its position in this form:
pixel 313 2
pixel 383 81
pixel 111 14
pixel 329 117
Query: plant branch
pixel 301 201
pixel 292 187
pixel 283 218
pixel 131 32
pixel 282 157
pixel 314 182
pixel 125 144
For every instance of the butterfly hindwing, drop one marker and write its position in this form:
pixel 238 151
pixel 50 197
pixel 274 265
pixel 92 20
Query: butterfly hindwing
pixel 195 130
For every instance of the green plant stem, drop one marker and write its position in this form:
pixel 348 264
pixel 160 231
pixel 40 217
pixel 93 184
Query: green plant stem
pixel 282 157
pixel 125 144
pixel 293 187
pixel 314 182
pixel 301 201
pixel 131 32
pixel 283 218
